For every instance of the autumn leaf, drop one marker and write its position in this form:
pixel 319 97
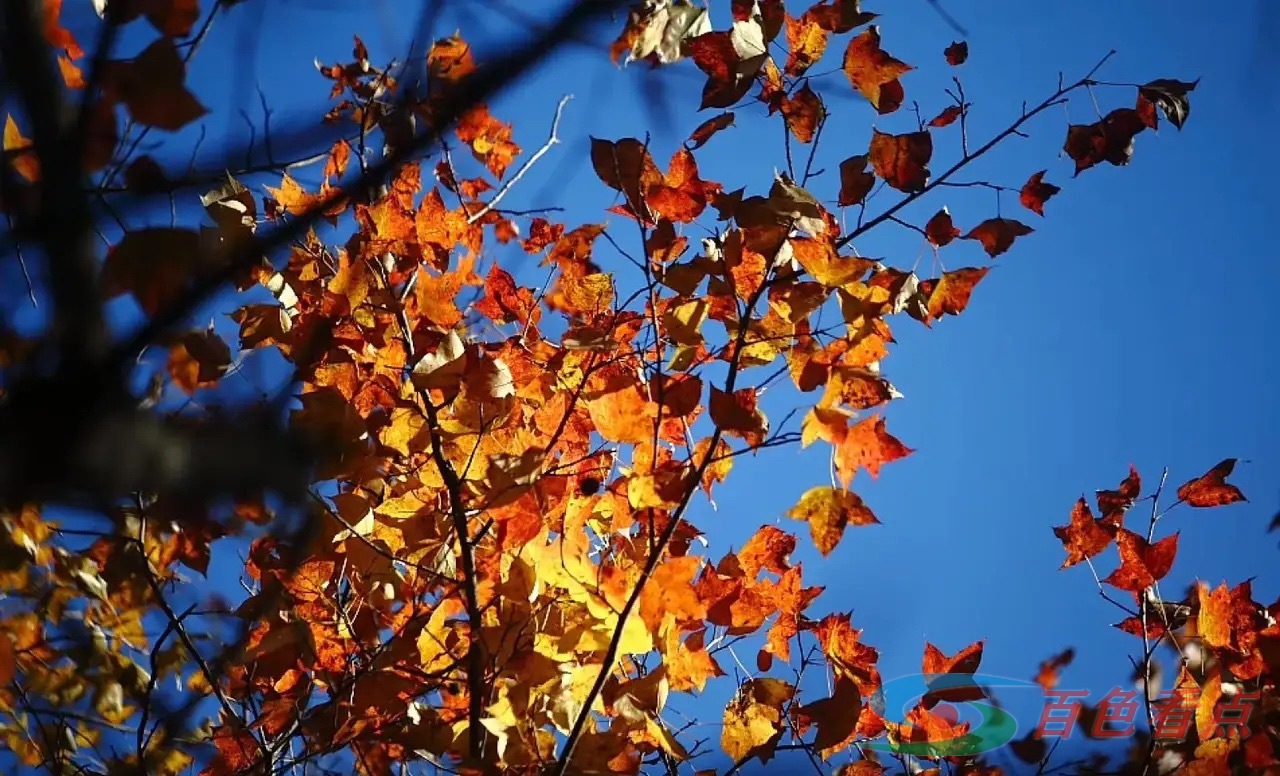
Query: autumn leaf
pixel 152 87
pixel 1114 503
pixel 828 511
pixel 1035 192
pixel 940 229
pixel 836 717
pixel 1211 489
pixel 198 359
pixel 737 414
pixel 806 43
pixel 20 151
pixel 947 117
pixel 1047 675
pixel 840 16
pixel 709 128
pixel 754 719
pixel 804 113
pixel 902 160
pixel 957 53
pixel 489 139
pixel 855 181
pixel 950 679
pixel 1171 96
pixel 869 446
pixel 950 296
pixel 1109 140
pixel 1084 537
pixel 997 234
pixel 875 73
pixel 1141 564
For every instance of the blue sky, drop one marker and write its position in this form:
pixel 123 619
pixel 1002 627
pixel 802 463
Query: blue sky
pixel 1133 326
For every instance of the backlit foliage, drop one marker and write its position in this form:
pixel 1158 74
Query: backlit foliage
pixel 502 565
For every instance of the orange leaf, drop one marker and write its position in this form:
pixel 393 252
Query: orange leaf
pixel 489 139
pixel 1083 537
pixel 806 43
pixel 868 445
pixel 947 117
pixel 827 511
pixel 20 151
pixel 951 294
pixel 1211 489
pixel 902 160
pixel 767 550
pixel 997 234
pixel 198 359
pixel 1047 675
pixel 803 113
pixel 1141 564
pixel 875 73
pixel 945 676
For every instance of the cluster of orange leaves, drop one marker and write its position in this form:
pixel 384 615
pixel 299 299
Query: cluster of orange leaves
pixel 494 504
pixel 1228 644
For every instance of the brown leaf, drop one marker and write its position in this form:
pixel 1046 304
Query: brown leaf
pixel 902 160
pixel 1108 140
pixel 855 181
pixel 957 53
pixel 152 88
pixel 198 359
pixel 709 128
pixel 940 229
pixel 803 113
pixel 1083 537
pixel 997 234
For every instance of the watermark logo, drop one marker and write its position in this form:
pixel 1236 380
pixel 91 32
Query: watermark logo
pixel 989 726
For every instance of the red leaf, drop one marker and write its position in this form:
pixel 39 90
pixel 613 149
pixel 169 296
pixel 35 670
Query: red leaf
pixel 1211 489
pixel 708 128
pixel 957 53
pixel 941 230
pixel 947 117
pixel 902 159
pixel 1035 192
pixel 1141 564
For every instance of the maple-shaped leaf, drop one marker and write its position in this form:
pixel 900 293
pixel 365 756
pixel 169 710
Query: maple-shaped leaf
pixel 1084 537
pixel 828 511
pixel 836 717
pixel 855 181
pixel 768 549
pixel 155 265
pixel 737 414
pixel 152 87
pixel 1035 192
pixel 867 445
pixel 1108 140
pixel 940 230
pixel 707 129
pixel 804 113
pixel 1141 564
pixel 902 160
pixel 874 73
pixel 997 234
pixel 730 59
pixel 489 139
pixel 950 679
pixel 1114 503
pixel 840 16
pixel 755 719
pixel 957 53
pixel 198 359
pixel 950 295
pixel 1211 489
pixel 1047 674
pixel 625 166
pixel 1171 96
pixel 806 43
